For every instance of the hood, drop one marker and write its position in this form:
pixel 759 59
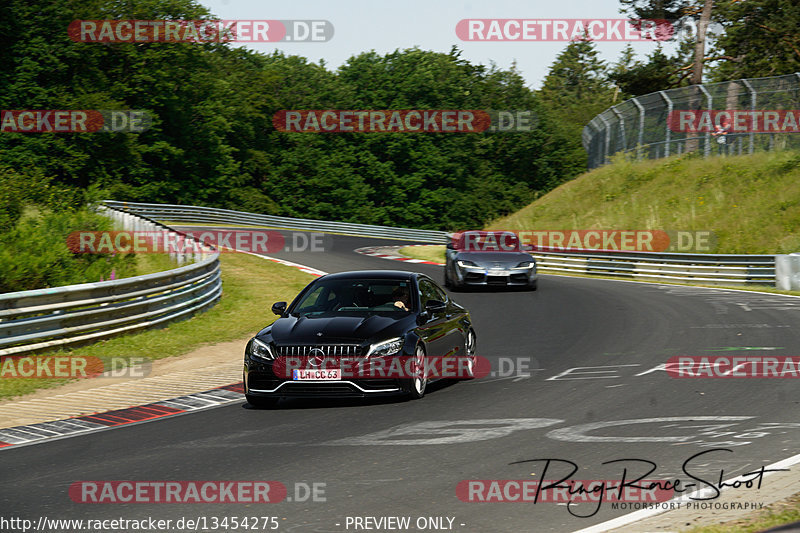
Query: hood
pixel 486 259
pixel 337 328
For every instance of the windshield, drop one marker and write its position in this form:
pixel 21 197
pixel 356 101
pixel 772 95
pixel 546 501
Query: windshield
pixel 355 296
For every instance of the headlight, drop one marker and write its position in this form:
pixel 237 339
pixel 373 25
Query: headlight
pixel 259 350
pixel 389 347
pixel 525 265
pixel 462 263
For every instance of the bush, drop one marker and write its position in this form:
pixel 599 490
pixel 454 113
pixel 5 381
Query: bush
pixel 34 253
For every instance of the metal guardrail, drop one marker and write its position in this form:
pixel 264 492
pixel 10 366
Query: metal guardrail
pixel 49 318
pixel 725 269
pixel 209 215
pixel 709 269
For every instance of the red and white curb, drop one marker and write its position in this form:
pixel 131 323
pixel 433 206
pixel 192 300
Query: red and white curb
pixel 392 252
pixel 302 268
pixel 36 433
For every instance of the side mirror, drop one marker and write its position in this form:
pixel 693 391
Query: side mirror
pixel 435 306
pixel 450 246
pixel 279 308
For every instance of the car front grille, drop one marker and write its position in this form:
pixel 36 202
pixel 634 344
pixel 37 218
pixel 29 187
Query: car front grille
pixel 328 350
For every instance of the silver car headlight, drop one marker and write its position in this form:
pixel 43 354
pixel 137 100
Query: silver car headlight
pixel 260 350
pixel 525 265
pixel 390 347
pixel 466 264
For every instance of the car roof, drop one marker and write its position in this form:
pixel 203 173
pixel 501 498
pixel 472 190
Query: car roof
pixel 499 254
pixel 374 274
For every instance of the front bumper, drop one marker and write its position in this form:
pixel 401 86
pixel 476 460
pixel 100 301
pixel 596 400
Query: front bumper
pixel 261 381
pixel 487 277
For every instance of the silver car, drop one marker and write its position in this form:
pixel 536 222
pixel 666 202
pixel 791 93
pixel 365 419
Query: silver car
pixel 482 269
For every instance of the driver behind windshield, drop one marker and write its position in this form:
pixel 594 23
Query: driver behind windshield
pixel 401 298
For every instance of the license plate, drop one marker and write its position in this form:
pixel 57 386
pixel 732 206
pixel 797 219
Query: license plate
pixel 497 272
pixel 328 374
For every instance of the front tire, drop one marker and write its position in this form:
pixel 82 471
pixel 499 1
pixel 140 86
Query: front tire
pixel 415 387
pixel 469 353
pixel 532 286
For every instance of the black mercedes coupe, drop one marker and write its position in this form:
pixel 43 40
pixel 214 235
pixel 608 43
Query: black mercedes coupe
pixel 374 319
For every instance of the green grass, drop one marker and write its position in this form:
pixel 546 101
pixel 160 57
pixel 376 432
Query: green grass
pixel 433 252
pixel 250 286
pixel 152 263
pixel 784 512
pixel 750 202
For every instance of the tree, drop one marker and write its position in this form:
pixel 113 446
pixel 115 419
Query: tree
pixel 760 39
pixel 679 13
pixel 576 89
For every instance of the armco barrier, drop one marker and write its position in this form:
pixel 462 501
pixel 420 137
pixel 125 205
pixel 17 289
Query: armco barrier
pixel 704 269
pixel 787 272
pixel 60 316
pixel 209 215
pixel 708 269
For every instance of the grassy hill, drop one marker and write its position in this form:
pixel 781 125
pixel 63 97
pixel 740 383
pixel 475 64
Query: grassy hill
pixel 751 202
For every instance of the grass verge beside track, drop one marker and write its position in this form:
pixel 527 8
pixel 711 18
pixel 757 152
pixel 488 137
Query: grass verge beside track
pixel 750 202
pixel 250 286
pixel 432 252
pixel 779 513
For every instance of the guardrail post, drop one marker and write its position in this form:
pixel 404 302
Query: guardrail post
pixel 787 272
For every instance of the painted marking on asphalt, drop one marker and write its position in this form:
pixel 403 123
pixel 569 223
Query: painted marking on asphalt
pixel 739 326
pixel 450 431
pixel 580 432
pixel 580 371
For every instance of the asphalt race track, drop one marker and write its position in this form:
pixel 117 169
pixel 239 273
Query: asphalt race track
pixel 398 458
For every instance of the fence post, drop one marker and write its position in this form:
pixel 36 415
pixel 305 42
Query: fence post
pixel 710 100
pixel 607 139
pixel 640 107
pixel 668 132
pixel 752 108
pixel 622 143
